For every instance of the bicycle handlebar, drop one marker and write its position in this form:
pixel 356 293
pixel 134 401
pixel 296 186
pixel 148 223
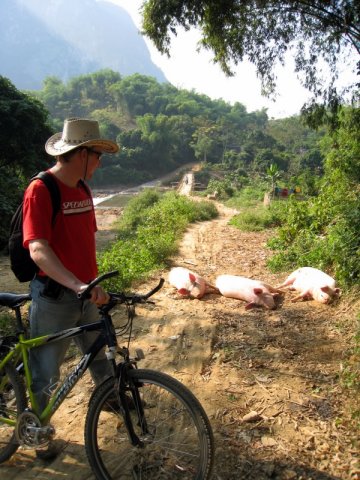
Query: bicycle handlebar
pixel 134 298
pixel 120 297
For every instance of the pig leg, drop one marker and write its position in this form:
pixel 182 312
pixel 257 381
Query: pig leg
pixel 250 305
pixel 303 296
pixel 288 282
pixel 273 289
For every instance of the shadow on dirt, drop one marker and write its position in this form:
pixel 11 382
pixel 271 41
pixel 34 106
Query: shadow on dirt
pixel 249 468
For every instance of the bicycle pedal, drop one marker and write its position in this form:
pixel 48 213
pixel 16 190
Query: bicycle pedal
pixel 140 355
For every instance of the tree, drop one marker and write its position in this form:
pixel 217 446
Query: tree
pixel 24 130
pixel 204 142
pixel 263 31
pixel 23 133
pixel 273 174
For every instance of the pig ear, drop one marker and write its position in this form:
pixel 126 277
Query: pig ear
pixel 326 289
pixel 337 291
pixel 249 306
pixel 192 277
pixel 183 291
pixel 258 291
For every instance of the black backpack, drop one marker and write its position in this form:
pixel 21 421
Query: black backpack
pixel 20 261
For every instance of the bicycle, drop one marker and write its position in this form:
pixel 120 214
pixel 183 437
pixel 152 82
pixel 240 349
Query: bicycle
pixel 140 423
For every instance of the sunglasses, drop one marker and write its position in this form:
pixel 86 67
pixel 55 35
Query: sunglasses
pixel 91 150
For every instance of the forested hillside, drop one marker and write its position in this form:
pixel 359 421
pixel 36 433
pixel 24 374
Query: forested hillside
pixel 161 127
pixel 158 126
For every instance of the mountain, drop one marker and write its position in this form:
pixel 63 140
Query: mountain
pixel 67 38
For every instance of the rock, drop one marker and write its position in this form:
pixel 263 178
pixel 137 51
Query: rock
pixel 253 416
pixel 268 441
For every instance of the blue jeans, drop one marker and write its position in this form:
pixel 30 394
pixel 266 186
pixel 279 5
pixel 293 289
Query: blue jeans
pixel 48 315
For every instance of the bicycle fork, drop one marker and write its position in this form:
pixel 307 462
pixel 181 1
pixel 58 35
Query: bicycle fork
pixel 125 384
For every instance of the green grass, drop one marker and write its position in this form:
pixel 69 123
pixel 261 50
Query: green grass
pixel 253 216
pixel 255 220
pixel 149 232
pixel 248 197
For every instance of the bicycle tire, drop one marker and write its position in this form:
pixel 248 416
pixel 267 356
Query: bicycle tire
pixel 12 403
pixel 178 444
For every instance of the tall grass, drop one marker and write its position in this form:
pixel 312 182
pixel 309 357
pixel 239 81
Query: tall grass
pixel 253 216
pixel 148 234
pixel 247 197
pixel 255 220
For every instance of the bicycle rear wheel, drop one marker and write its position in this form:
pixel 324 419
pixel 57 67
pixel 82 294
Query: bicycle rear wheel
pixel 175 431
pixel 12 403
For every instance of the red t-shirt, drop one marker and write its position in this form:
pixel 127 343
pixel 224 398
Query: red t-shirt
pixel 72 237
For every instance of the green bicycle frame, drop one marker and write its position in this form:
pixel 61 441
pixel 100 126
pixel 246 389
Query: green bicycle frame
pixel 20 353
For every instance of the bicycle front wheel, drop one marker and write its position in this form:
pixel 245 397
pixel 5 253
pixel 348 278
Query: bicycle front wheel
pixel 176 436
pixel 12 403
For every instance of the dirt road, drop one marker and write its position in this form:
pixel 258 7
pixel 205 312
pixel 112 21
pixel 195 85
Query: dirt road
pixel 267 379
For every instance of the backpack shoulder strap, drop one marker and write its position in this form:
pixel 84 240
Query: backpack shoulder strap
pixel 85 187
pixel 54 190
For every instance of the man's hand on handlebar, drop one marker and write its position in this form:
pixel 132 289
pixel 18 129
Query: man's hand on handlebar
pixel 97 295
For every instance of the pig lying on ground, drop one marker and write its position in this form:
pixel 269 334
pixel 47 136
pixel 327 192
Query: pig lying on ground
pixel 311 283
pixel 190 283
pixel 255 292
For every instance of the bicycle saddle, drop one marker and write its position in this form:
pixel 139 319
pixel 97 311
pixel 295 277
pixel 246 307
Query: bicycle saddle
pixel 13 300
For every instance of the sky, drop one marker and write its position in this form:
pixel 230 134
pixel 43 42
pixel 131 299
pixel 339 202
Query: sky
pixel 188 69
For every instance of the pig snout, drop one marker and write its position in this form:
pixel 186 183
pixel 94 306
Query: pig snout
pixel 325 294
pixel 198 286
pixel 264 298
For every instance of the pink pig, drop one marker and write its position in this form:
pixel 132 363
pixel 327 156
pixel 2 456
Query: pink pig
pixel 311 283
pixel 189 283
pixel 255 292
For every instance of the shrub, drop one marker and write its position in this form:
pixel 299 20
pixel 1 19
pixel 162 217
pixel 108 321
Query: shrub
pixel 255 220
pixel 136 210
pixel 223 188
pixel 248 196
pixel 323 232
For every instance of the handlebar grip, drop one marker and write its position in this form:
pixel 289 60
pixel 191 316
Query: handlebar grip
pixel 157 288
pixel 86 293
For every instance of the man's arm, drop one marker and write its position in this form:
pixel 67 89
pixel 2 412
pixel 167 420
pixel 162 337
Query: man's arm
pixel 45 258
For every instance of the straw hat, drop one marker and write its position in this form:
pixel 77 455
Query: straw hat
pixel 79 132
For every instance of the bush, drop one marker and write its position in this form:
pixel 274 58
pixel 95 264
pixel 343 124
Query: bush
pixel 248 196
pixel 256 220
pixel 136 210
pixel 223 188
pixel 323 232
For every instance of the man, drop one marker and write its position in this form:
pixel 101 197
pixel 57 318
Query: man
pixel 65 252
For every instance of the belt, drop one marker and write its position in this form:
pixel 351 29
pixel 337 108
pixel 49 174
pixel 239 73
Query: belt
pixel 42 278
pixel 52 288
